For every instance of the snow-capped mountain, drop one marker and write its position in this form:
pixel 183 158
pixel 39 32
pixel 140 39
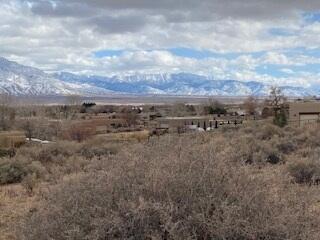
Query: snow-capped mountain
pixel 180 84
pixel 21 80
pixel 17 79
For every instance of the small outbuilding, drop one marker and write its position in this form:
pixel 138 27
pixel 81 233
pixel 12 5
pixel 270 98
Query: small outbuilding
pixel 303 113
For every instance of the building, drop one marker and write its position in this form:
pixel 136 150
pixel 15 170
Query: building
pixel 303 113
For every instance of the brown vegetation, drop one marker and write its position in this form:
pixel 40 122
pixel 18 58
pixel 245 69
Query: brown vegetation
pixel 78 133
pixel 250 105
pixel 253 182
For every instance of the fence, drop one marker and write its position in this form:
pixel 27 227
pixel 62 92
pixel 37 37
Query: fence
pixel 310 123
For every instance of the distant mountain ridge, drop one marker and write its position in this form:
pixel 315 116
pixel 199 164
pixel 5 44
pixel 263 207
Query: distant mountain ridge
pixel 17 79
pixel 180 84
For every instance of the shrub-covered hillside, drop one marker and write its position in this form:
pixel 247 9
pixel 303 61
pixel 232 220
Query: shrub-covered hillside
pixel 254 182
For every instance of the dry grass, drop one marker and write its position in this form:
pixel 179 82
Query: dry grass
pixel 12 139
pixel 14 204
pixel 234 184
pixel 127 136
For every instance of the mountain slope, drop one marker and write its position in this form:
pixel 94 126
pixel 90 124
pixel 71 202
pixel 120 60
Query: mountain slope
pixel 21 80
pixel 179 84
pixel 17 79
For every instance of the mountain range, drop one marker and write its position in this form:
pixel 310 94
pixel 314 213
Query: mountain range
pixel 17 79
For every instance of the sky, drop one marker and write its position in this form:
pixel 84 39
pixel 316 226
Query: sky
pixel 271 41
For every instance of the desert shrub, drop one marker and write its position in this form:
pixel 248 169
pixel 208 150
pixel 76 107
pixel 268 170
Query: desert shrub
pixel 78 133
pixel 311 138
pixel 305 171
pixel 247 129
pixel 38 170
pixel 246 147
pixel 98 147
pixel 268 131
pixel 249 150
pixel 55 153
pixel 7 153
pixel 29 183
pixel 273 158
pixel 304 152
pixel 189 189
pixel 287 147
pixel 98 152
pixel 12 172
pixel 48 131
pixel 52 161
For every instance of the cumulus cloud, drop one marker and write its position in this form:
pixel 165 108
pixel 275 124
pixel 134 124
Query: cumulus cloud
pixel 201 10
pixel 62 35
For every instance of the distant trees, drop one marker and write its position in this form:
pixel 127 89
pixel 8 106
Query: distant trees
pixel 78 132
pixel 211 106
pixel 130 117
pixel 250 105
pixel 7 112
pixel 214 107
pixel 29 128
pixel 87 107
pixel 72 106
pixel 180 109
pixel 73 100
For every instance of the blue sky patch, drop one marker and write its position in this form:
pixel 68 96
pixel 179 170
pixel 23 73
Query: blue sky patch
pixel 309 52
pixel 108 53
pixel 271 70
pixel 191 53
pixel 200 54
pixel 310 68
pixel 282 32
pixel 312 17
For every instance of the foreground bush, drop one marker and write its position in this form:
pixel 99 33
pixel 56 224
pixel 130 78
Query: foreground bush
pixel 305 172
pixel 172 189
pixel 12 172
pixel 7 153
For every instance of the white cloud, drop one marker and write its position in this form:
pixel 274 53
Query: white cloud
pixel 287 71
pixel 64 35
pixel 276 58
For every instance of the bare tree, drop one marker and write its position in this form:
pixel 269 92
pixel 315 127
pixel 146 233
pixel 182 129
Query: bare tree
pixel 131 118
pixel 277 102
pixel 276 99
pixel 250 105
pixel 78 133
pixel 73 105
pixel 29 128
